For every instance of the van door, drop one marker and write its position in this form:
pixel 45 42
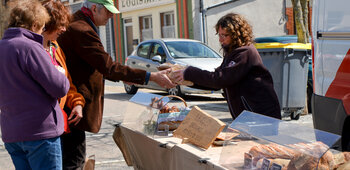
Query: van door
pixel 331 64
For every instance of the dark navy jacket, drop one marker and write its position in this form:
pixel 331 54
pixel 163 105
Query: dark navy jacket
pixel 247 84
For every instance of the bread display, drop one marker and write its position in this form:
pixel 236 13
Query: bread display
pixel 300 156
pixel 169 117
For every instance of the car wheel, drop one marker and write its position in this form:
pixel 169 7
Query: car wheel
pixel 176 91
pixel 130 89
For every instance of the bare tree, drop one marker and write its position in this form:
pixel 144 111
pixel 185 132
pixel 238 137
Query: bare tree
pixel 301 12
pixel 2 19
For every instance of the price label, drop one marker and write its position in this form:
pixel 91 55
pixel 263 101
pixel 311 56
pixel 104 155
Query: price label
pixel 265 164
pixel 275 166
pixel 248 161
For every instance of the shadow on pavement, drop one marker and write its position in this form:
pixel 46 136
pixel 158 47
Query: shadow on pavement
pixel 118 96
pixel 124 97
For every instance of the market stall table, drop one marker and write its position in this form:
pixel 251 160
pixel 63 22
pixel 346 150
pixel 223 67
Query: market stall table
pixel 261 142
pixel 163 152
pixel 144 152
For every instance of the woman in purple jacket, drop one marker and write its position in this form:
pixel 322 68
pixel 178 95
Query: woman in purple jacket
pixel 31 119
pixel 247 84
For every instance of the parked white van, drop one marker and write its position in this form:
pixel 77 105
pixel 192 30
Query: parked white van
pixel 331 67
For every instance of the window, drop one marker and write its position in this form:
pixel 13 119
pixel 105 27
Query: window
pixel 169 19
pixel 143 49
pixel 146 28
pixel 147 22
pixel 168 24
pixel 183 49
pixel 157 49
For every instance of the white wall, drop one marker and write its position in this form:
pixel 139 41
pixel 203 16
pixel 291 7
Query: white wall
pixel 267 17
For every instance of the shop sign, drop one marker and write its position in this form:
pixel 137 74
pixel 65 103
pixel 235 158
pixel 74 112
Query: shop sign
pixel 131 5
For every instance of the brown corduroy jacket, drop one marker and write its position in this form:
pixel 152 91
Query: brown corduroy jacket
pixel 88 63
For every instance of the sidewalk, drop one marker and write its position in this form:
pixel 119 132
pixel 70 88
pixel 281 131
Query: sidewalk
pixel 107 154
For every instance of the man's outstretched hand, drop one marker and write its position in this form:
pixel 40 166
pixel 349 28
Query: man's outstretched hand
pixel 162 79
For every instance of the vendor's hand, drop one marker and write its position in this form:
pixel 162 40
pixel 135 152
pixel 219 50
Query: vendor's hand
pixel 162 79
pixel 178 75
pixel 76 115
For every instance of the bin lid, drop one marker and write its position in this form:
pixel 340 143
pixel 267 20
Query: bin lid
pixel 306 46
pixel 285 41
pixel 281 39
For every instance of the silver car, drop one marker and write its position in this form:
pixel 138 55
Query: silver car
pixel 148 55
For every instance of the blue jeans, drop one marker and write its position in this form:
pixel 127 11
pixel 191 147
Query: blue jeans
pixel 36 155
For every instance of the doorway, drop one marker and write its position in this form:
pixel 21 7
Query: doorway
pixel 128 36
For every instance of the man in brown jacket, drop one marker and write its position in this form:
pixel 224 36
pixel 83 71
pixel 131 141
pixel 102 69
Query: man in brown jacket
pixel 89 64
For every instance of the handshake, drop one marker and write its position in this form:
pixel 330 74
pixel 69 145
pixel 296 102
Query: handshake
pixel 172 74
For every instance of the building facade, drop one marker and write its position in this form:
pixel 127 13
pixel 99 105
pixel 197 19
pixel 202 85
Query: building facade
pixel 141 20
pixel 152 19
pixel 107 32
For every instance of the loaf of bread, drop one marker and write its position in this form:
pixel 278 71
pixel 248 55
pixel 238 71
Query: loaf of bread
pixel 171 124
pixel 308 156
pixel 271 151
pixel 167 109
pixel 344 166
pixel 301 155
pixel 171 76
pixel 341 158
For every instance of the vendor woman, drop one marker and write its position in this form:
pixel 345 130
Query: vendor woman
pixel 246 83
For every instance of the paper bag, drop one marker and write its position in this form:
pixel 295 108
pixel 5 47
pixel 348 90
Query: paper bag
pixel 199 128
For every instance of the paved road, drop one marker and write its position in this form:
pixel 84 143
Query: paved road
pixel 102 146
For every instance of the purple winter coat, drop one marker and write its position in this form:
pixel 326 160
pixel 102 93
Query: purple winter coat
pixel 30 86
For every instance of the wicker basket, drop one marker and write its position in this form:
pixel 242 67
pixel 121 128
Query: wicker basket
pixel 173 119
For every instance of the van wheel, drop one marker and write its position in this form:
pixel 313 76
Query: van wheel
pixel 176 91
pixel 130 89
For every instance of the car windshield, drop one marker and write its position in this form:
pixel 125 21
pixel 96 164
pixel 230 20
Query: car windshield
pixel 186 49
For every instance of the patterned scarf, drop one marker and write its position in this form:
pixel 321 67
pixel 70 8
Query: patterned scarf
pixel 87 12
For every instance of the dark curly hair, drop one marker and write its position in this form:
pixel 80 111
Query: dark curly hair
pixel 60 15
pixel 240 31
